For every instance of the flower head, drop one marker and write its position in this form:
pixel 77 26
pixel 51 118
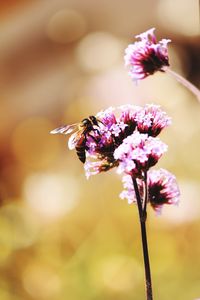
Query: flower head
pixel 96 167
pixel 138 153
pixel 146 56
pixel 107 117
pixel 128 192
pixel 162 189
pixel 102 142
pixel 151 120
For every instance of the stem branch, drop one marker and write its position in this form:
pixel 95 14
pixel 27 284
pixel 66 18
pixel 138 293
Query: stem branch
pixel 184 82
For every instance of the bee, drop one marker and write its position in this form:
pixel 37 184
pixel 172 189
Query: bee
pixel 79 138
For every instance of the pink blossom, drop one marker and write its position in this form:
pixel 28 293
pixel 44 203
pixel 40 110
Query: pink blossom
pixel 162 189
pixel 115 125
pixel 128 192
pixel 107 116
pixel 138 153
pixel 151 119
pixel 123 136
pixel 146 56
pixel 96 167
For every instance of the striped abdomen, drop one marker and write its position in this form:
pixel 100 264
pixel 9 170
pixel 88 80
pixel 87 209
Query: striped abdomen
pixel 80 148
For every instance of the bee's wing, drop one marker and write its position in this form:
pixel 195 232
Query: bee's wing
pixel 74 139
pixel 65 129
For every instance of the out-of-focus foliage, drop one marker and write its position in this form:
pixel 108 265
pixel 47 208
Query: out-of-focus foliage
pixel 62 237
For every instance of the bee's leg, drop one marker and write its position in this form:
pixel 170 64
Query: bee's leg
pixel 99 121
pixel 97 130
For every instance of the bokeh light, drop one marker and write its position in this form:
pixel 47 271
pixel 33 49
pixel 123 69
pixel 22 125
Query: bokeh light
pixel 49 195
pixel 180 16
pixel 21 226
pixel 40 281
pixel 31 142
pixel 185 211
pixel 66 26
pixel 117 273
pixel 99 51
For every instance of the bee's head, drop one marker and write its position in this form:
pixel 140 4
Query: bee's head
pixel 86 122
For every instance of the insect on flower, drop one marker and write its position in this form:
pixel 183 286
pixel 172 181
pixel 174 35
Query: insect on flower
pixel 79 138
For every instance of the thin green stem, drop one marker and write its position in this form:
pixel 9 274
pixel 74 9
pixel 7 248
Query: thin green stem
pixel 142 215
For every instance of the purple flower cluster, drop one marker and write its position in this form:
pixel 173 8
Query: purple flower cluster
pixel 146 56
pixel 126 138
pixel 119 126
pixel 138 153
pixel 162 189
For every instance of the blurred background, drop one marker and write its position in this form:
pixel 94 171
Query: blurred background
pixel 62 236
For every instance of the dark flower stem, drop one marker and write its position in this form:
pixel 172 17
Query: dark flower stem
pixel 192 88
pixel 146 192
pixel 143 217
